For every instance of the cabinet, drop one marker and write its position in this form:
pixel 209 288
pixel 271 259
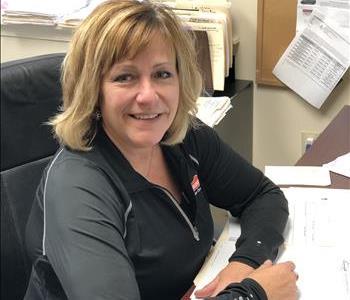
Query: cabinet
pixel 236 129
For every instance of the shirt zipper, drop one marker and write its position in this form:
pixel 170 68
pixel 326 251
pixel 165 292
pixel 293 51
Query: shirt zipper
pixel 193 228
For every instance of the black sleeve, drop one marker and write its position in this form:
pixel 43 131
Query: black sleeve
pixel 248 289
pixel 232 183
pixel 84 234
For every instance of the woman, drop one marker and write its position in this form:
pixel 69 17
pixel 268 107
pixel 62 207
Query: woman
pixel 122 211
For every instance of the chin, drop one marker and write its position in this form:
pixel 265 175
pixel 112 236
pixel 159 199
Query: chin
pixel 147 141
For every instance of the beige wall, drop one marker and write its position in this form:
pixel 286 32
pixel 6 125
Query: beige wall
pixel 279 114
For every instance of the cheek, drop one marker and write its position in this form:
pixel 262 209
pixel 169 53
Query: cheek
pixel 175 96
pixel 113 101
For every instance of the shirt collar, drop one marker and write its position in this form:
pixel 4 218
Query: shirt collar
pixel 133 181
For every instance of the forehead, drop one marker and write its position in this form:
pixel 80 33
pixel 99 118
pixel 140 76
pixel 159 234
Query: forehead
pixel 157 50
pixel 156 40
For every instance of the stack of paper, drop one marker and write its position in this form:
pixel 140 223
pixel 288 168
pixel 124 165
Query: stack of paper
pixel 216 20
pixel 37 12
pixel 74 17
pixel 211 110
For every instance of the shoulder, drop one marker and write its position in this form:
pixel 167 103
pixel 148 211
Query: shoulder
pixel 79 180
pixel 69 163
pixel 71 170
pixel 200 132
pixel 202 140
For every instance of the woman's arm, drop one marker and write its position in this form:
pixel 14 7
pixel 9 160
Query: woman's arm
pixel 232 183
pixel 84 234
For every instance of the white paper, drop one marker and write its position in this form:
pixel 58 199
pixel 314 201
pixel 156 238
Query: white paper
pixel 304 11
pixel 44 7
pixel 298 175
pixel 315 60
pixel 316 240
pixel 341 165
pixel 211 110
pixel 335 11
pixel 40 12
pixel 219 256
pixel 76 16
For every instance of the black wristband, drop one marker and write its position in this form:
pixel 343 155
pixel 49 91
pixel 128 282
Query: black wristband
pixel 248 289
pixel 255 288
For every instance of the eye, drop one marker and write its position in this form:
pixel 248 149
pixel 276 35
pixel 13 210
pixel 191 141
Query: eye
pixel 163 74
pixel 123 78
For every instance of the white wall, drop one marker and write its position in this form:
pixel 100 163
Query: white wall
pixel 279 114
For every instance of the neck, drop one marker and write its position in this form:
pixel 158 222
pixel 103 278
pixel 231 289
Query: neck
pixel 142 162
pixel 141 158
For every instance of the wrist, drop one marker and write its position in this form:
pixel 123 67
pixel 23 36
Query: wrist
pixel 255 288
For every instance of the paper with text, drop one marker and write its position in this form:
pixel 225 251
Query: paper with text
pixel 316 240
pixel 315 60
pixel 336 11
pixel 211 110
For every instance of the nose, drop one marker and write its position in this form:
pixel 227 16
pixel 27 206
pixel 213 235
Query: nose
pixel 147 92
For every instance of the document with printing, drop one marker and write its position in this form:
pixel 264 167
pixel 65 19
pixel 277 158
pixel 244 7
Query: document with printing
pixel 316 239
pixel 336 11
pixel 211 110
pixel 315 60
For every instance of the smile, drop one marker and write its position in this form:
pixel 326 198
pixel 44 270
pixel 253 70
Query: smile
pixel 145 116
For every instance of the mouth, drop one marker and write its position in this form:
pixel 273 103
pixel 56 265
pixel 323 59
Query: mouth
pixel 145 116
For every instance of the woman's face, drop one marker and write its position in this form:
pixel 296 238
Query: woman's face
pixel 141 96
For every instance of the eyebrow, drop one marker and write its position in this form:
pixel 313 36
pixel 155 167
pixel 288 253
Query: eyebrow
pixel 132 66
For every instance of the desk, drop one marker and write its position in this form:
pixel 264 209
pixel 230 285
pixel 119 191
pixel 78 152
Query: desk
pixel 331 143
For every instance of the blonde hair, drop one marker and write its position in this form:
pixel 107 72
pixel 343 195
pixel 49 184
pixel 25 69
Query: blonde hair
pixel 117 30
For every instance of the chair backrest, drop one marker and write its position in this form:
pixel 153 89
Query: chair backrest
pixel 30 94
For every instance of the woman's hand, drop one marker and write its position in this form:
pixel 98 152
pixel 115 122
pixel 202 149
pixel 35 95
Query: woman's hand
pixel 233 272
pixel 278 281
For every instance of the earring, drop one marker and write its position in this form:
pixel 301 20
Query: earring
pixel 98 115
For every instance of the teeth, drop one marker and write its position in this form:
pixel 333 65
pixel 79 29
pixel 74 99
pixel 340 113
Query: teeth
pixel 145 117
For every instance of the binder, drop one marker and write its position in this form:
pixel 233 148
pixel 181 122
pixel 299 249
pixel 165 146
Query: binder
pixel 203 52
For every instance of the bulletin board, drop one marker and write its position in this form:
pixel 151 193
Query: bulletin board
pixel 275 30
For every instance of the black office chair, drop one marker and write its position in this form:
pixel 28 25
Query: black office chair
pixel 30 94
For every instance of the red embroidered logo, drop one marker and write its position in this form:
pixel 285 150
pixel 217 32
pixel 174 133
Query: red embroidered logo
pixel 196 187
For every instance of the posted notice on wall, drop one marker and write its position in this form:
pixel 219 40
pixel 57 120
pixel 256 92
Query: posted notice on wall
pixel 315 60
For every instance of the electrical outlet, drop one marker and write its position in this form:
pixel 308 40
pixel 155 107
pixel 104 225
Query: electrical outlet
pixel 307 139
